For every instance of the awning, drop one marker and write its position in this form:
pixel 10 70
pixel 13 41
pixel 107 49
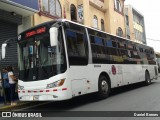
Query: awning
pixel 16 8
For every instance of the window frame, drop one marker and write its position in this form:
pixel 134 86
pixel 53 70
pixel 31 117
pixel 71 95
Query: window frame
pixel 119 32
pixel 102 25
pixel 75 12
pixel 49 13
pixel 118 6
pixel 95 21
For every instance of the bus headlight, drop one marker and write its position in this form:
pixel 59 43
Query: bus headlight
pixel 56 84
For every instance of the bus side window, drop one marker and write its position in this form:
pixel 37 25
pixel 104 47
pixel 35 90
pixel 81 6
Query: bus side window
pixel 76 48
pixel 115 55
pixel 80 45
pixel 124 54
pixel 71 42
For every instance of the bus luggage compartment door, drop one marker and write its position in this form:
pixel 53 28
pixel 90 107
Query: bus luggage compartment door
pixel 78 87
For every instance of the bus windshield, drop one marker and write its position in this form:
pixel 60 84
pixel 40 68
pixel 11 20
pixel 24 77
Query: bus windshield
pixel 38 60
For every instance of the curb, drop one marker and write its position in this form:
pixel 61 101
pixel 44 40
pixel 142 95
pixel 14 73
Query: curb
pixel 21 105
pixel 14 107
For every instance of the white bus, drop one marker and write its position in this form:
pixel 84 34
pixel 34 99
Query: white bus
pixel 59 60
pixel 158 61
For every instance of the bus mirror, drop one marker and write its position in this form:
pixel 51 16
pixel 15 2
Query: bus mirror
pixel 53 36
pixel 4 50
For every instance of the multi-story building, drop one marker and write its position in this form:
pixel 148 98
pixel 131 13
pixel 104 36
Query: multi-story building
pixel 106 15
pixel 17 16
pixel 135 27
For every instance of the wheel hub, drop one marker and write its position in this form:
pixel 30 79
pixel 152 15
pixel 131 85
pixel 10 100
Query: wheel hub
pixel 104 86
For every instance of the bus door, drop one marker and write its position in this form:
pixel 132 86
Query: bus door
pixel 77 48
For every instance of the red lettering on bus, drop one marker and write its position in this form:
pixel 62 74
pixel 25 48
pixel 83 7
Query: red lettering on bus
pixel 34 32
pixel 41 30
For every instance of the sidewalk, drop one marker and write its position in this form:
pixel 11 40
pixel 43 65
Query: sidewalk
pixel 20 105
pixel 8 107
pixel 5 107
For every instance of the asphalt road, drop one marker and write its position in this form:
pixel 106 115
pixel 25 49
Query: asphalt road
pixel 137 97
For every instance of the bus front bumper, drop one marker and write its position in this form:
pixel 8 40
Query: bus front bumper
pixel 47 95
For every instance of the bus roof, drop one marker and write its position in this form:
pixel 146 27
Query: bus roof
pixel 65 20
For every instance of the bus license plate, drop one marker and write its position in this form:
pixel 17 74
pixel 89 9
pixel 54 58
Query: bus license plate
pixel 36 97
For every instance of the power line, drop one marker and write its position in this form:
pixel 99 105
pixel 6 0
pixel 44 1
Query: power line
pixel 153 39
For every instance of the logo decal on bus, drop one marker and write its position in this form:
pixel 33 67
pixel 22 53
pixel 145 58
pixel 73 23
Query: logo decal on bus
pixel 113 70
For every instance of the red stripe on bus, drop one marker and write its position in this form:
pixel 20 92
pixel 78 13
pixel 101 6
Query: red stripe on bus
pixel 23 91
pixel 35 91
pixel 19 91
pixel 47 90
pixel 55 90
pixel 29 91
pixel 64 88
pixel 41 90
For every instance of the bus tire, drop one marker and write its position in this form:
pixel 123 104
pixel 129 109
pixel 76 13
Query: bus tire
pixel 147 78
pixel 103 87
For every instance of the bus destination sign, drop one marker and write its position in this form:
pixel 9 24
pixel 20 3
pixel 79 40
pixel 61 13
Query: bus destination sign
pixel 35 32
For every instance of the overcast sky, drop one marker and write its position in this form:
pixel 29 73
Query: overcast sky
pixel 150 10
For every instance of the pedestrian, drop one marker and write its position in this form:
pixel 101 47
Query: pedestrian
pixel 6 85
pixel 1 86
pixel 12 83
pixel 158 67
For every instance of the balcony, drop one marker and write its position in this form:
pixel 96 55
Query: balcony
pixel 98 4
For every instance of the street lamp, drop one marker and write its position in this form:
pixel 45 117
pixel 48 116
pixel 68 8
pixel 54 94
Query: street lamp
pixel 4 45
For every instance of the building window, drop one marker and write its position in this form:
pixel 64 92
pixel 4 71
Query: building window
pixel 73 12
pixel 120 32
pixel 102 1
pixel 118 6
pixel 102 25
pixel 128 37
pixel 52 7
pixel 45 7
pixel 95 21
pixel 127 21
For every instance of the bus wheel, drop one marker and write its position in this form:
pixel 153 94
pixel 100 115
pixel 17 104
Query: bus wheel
pixel 147 79
pixel 103 87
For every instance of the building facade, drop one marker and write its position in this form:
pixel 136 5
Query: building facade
pixel 13 17
pixel 17 16
pixel 106 15
pixel 135 26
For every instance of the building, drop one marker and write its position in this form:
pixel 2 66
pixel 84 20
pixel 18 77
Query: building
pixel 135 27
pixel 18 15
pixel 13 17
pixel 106 15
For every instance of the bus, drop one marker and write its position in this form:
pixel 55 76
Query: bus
pixel 61 59
pixel 158 61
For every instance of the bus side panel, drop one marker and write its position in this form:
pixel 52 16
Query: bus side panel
pixel 131 73
pixel 83 79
